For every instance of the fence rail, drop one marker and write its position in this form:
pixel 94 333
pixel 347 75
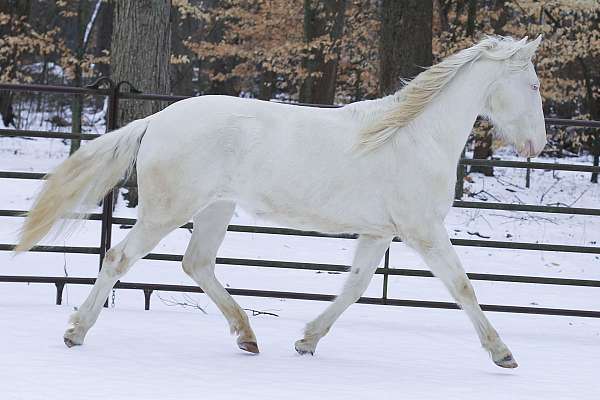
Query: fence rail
pixel 113 93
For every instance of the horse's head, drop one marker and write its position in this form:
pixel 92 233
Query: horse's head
pixel 514 104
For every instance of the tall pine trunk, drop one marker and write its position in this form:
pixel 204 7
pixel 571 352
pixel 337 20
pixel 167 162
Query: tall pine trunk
pixel 405 41
pixel 140 54
pixel 322 20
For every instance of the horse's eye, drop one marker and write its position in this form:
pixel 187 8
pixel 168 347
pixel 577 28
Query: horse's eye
pixel 535 86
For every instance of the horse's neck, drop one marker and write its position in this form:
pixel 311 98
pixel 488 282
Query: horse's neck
pixel 451 115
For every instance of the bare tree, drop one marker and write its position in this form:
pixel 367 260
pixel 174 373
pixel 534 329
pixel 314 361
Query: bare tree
pixel 405 41
pixel 86 14
pixel 140 54
pixel 323 30
pixel 16 10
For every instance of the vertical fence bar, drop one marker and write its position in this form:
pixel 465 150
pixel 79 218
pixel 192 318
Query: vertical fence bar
pixel 596 154
pixel 147 296
pixel 59 292
pixel 108 201
pixel 528 175
pixel 386 267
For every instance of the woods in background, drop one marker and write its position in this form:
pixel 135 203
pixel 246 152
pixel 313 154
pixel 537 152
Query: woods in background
pixel 327 51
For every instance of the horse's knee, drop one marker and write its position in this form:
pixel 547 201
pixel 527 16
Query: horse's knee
pixel 464 290
pixel 115 263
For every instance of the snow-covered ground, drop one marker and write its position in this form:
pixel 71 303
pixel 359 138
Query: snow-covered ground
pixel 373 352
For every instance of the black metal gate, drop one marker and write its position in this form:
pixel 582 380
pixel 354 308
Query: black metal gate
pixel 106 87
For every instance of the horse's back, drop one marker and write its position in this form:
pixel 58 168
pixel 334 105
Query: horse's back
pixel 222 147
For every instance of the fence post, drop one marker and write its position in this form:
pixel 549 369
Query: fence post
pixel 147 296
pixel 108 201
pixel 528 175
pixel 461 171
pixel 596 154
pixel 59 292
pixel 386 267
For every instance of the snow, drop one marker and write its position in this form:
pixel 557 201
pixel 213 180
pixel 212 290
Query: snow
pixel 372 352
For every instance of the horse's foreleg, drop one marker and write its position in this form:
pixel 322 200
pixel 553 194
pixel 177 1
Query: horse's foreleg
pixel 369 252
pixel 119 259
pixel 437 251
pixel 210 227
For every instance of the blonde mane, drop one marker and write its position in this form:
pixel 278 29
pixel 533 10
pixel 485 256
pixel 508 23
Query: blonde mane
pixel 411 100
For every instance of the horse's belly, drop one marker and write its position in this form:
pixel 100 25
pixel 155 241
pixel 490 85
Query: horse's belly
pixel 304 216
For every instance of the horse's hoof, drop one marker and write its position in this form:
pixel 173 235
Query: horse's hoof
pixel 73 336
pixel 302 348
pixel 250 347
pixel 507 362
pixel 304 352
pixel 70 343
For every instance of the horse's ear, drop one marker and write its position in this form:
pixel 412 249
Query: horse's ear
pixel 528 51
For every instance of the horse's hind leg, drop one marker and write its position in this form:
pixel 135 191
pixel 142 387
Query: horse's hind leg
pixel 139 241
pixel 368 254
pixel 210 226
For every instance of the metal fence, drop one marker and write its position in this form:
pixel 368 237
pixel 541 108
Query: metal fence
pixel 112 91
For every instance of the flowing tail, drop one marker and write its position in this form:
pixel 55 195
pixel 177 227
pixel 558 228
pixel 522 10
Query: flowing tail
pixel 81 181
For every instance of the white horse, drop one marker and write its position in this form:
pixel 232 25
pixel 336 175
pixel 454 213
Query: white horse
pixel 380 168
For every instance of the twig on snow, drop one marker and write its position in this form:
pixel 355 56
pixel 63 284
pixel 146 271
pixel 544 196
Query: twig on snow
pixel 580 196
pixel 549 189
pixel 188 302
pixel 478 235
pixel 528 217
pixel 257 312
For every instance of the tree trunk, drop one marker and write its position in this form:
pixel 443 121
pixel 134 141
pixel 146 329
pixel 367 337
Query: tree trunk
pixel 593 106
pixel 182 73
pixel 6 108
pixel 482 150
pixel 103 35
pixel 267 85
pixel 405 41
pixel 77 100
pixel 471 17
pixel 482 145
pixel 16 10
pixel 141 53
pixel 322 20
